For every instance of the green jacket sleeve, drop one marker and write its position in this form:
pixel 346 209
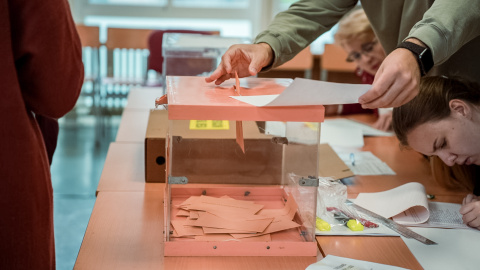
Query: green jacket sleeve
pixel 447 26
pixel 305 20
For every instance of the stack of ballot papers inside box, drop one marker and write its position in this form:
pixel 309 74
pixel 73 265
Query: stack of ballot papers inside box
pixel 206 218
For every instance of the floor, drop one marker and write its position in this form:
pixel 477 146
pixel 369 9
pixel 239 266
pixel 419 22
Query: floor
pixel 76 169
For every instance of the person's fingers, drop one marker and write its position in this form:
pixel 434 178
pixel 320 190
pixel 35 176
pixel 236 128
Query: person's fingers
pixel 464 200
pixel 466 208
pixel 469 198
pixel 216 74
pixel 378 89
pixel 255 66
pixel 405 93
pixel 387 95
pixel 474 222
pixel 223 78
pixel 227 60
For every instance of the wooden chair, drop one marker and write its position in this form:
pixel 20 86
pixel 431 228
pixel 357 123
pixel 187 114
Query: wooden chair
pixel 334 60
pixel 121 46
pixel 90 40
pixel 303 61
pixel 123 64
pixel 126 66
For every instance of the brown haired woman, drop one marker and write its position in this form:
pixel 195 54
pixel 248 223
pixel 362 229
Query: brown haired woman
pixel 443 121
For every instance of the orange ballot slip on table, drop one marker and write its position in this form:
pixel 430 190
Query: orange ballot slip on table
pixel 236 197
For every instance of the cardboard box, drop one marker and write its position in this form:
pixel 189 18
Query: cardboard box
pixel 330 165
pixel 264 161
pixel 155 157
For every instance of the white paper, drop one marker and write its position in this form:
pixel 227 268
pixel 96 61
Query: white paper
pixel 442 215
pixel 300 132
pixel 341 136
pixel 456 249
pixel 304 92
pixel 352 124
pixel 366 163
pixel 395 201
pixel 331 262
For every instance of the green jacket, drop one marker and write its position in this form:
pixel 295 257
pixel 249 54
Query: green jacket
pixel 451 29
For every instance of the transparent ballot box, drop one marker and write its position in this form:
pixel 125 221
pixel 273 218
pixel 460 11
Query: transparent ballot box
pixel 241 180
pixel 194 54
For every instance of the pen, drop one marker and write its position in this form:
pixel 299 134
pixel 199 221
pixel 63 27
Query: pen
pixel 352 159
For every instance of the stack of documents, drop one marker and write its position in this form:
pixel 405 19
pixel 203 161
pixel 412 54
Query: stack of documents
pixel 206 218
pixel 408 205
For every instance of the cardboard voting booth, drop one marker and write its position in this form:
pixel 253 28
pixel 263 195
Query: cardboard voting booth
pixel 238 195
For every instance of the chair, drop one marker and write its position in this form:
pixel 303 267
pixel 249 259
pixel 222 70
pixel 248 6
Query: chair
pixel 156 59
pixel 125 65
pixel 334 60
pixel 90 40
pixel 303 61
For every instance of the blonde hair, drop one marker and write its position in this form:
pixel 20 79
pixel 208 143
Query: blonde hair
pixel 354 25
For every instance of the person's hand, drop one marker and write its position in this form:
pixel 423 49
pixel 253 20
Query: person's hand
pixel 470 198
pixel 470 211
pixel 384 121
pixel 396 82
pixel 245 59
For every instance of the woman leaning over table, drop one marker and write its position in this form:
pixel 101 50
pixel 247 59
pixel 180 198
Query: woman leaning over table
pixel 443 122
pixel 355 35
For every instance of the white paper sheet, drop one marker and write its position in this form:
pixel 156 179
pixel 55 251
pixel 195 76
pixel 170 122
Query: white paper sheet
pixel 442 215
pixel 331 262
pixel 341 136
pixel 456 249
pixel 303 92
pixel 366 163
pixel 331 134
pixel 395 201
pixel 352 124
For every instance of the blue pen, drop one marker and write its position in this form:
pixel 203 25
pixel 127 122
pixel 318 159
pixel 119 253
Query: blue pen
pixel 352 159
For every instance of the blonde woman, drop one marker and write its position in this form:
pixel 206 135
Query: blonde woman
pixel 355 35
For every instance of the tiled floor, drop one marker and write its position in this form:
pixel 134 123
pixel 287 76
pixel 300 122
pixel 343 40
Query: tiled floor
pixel 76 169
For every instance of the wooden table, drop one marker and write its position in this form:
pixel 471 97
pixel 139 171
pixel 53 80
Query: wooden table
pixel 126 226
pixel 409 166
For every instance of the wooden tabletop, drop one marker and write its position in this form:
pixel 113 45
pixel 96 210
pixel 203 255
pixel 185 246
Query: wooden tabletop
pixel 125 230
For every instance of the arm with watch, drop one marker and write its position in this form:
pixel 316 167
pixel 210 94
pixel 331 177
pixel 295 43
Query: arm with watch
pixel 445 27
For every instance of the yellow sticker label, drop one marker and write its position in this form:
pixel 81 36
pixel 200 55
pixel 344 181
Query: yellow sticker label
pixel 209 124
pixel 312 126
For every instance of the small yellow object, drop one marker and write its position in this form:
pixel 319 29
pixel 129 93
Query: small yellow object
pixel 354 225
pixel 322 225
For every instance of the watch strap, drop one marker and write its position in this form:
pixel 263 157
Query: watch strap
pixel 422 54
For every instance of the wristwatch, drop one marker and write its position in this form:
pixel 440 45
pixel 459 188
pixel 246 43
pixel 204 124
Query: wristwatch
pixel 423 55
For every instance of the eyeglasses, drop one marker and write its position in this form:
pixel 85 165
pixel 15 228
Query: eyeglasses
pixel 366 49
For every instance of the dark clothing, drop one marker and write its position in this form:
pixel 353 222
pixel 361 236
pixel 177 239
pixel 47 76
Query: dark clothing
pixel 41 74
pixel 356 107
pixel 476 180
pixel 49 128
